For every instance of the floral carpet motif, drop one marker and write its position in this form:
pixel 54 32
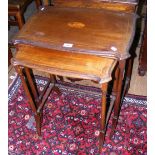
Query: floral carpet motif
pixel 71 123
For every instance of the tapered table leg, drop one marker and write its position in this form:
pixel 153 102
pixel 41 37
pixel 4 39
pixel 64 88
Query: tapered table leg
pixel 31 102
pixel 128 74
pixel 33 87
pixel 118 85
pixel 103 116
pixel 54 81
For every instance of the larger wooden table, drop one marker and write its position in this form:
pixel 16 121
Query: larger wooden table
pixel 89 31
pixel 75 42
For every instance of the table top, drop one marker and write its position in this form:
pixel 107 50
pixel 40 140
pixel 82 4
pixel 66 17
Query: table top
pixel 97 1
pixel 121 5
pixel 65 63
pixel 80 30
pixel 122 1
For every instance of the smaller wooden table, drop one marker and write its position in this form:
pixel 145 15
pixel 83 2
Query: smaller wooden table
pixel 81 30
pixel 65 64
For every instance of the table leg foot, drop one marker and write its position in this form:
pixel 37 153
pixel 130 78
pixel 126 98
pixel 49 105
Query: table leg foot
pixel 103 116
pixel 54 81
pixel 38 119
pixel 57 90
pixel 141 71
pixel 114 124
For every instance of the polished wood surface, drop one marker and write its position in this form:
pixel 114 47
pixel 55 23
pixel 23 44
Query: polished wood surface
pixel 119 5
pixel 92 31
pixel 65 63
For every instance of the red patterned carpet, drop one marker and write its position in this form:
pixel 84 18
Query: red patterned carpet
pixel 71 122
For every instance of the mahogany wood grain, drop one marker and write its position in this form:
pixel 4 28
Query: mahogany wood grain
pixel 65 63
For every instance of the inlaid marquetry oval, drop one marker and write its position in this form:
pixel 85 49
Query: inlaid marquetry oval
pixel 76 25
pixel 39 33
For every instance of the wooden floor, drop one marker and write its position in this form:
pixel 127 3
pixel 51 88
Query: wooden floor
pixel 138 85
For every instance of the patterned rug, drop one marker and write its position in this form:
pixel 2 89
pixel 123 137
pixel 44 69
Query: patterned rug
pixel 71 122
